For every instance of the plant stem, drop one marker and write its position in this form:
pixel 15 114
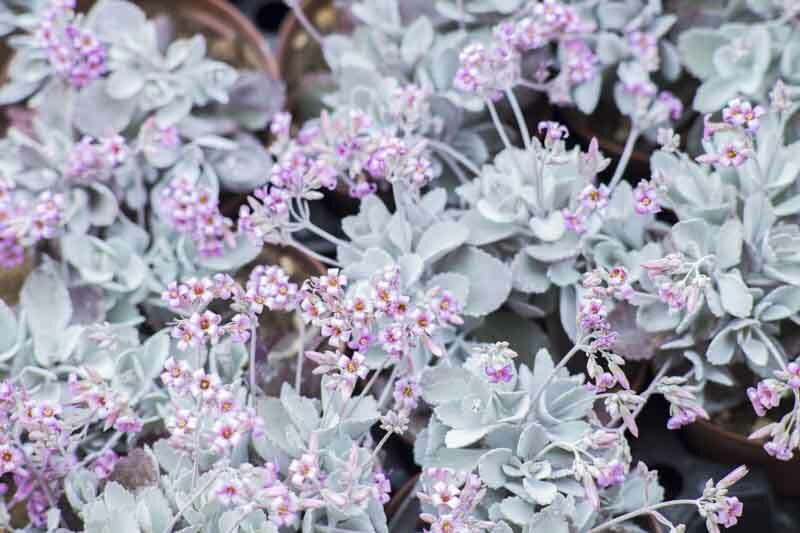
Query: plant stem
pixel 455 154
pixel 298 375
pixel 501 131
pixel 311 253
pixel 624 158
pixel 561 364
pixel 523 127
pixel 252 368
pixel 387 389
pixel 645 510
pixel 189 503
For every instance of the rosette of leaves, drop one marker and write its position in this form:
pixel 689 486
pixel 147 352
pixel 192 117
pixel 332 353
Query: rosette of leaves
pixel 743 221
pixel 431 248
pixel 739 59
pixel 515 210
pixel 521 436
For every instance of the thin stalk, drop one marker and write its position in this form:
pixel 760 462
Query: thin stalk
pixel 298 375
pixel 387 389
pixel 455 154
pixel 252 368
pixel 461 15
pixel 377 449
pixel 311 253
pixel 316 230
pixel 640 512
pixel 561 364
pixel 541 87
pixel 523 127
pixel 366 389
pixel 624 158
pixel 189 503
pixel 297 9
pixel 501 131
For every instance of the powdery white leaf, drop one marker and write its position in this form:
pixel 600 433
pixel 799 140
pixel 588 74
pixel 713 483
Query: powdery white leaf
pixel 441 239
pixel 736 299
pixel 490 279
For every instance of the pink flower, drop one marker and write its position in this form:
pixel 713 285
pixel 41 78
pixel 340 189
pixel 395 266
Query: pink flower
pixel 176 375
pixel 764 397
pixel 204 385
pixel 406 393
pixel 304 470
pixel 739 113
pixel 10 459
pixel 729 513
pixel 592 197
pixel 733 154
pixel 207 325
pixel 104 465
pixel 239 328
pixel 503 374
pixel 645 196
pixel 575 220
pixel 445 495
pixel 227 434
pixel 612 474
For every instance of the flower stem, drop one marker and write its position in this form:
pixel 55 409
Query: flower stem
pixel 640 512
pixel 252 368
pixel 561 364
pixel 298 375
pixel 189 503
pixel 523 127
pixel 624 158
pixel 444 148
pixel 311 253
pixel 501 131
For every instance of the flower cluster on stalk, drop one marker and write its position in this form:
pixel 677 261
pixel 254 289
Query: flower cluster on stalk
pixel 25 220
pixel 784 435
pixel 452 498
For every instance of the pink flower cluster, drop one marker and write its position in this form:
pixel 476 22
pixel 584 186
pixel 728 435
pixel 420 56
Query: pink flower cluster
pixel 24 221
pixel 683 405
pixel 488 71
pixel 267 286
pixel 193 209
pixel 206 413
pixel 645 198
pixel 784 435
pixel 592 198
pixel 103 404
pixel 74 53
pixel 497 361
pixel 454 496
pixel 601 289
pixel 687 291
pixel 382 315
pixel 741 118
pixel 39 444
pixel 91 159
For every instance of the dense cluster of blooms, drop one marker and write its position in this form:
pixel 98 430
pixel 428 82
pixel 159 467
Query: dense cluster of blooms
pixel 491 70
pixel 91 159
pixel 25 220
pixel 452 497
pixel 730 143
pixel 784 434
pixel 267 286
pixel 192 209
pixel 379 314
pixel 679 281
pixel 74 53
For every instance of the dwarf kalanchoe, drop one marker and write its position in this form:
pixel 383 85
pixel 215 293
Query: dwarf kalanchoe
pixel 497 361
pixel 679 281
pixel 683 404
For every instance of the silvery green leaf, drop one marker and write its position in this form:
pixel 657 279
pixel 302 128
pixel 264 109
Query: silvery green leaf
pixel 484 231
pixel 729 244
pixel 758 217
pixel 461 438
pixel 303 411
pixel 736 299
pixel 693 237
pixel 15 91
pixel 442 384
pixel 542 492
pixel 411 266
pixel 788 207
pixel 80 487
pixel 563 273
pixel 457 284
pixel 373 260
pixel 8 328
pixel 400 233
pixel 441 239
pixel 490 467
pixel 45 300
pixel 656 317
pixel 779 304
pixel 417 40
pixel 755 350
pixel 614 15
pixel 552 252
pixel 714 94
pixel 434 201
pixel 490 279
pixel 517 510
pixel 722 347
pixel 98 114
pixel 451 11
pixel 549 229
pixel 112 20
pixel 587 94
pixel 124 83
pixel 610 48
pixel 697 47
pixel 670 60
pixel 157 507
pixel 568 310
